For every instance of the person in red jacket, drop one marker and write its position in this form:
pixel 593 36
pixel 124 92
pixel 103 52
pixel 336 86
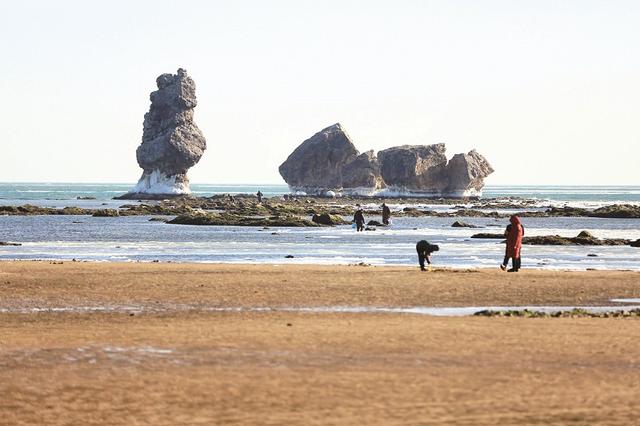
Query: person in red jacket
pixel 514 234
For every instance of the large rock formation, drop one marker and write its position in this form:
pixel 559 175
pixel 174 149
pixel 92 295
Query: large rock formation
pixel 407 168
pixel 424 171
pixel 171 141
pixel 316 165
pixel 329 161
pixel 362 174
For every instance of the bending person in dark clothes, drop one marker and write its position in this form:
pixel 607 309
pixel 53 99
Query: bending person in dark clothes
pixel 424 250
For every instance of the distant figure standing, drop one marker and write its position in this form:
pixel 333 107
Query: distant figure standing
pixel 259 195
pixel 514 234
pixel 386 214
pixel 424 250
pixel 358 218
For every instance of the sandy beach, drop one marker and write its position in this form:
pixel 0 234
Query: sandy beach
pixel 171 365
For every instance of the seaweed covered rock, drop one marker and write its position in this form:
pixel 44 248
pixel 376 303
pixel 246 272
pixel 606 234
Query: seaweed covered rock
pixel 461 224
pixel 227 219
pixel 328 219
pixel 105 213
pixel 584 238
pixel 618 211
pixel 488 236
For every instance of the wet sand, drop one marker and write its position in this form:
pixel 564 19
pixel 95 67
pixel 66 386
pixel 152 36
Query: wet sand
pixel 193 367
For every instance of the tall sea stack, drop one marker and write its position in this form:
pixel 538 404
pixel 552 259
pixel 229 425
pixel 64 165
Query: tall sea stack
pixel 171 141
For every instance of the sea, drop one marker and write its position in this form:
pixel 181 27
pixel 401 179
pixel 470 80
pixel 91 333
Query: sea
pixel 136 238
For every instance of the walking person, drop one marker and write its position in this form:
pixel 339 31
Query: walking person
pixel 386 214
pixel 358 218
pixel 259 195
pixel 514 234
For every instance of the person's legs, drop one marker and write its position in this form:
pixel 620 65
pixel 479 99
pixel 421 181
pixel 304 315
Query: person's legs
pixel 505 262
pixel 421 259
pixel 517 263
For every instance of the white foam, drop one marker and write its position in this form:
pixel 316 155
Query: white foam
pixel 157 182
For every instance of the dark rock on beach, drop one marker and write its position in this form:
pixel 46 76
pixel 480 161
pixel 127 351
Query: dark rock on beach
pixel 227 219
pixel 328 219
pixel 584 238
pixel 5 243
pixel 573 313
pixel 488 236
pixel 461 224
pixel 635 243
pixel 105 213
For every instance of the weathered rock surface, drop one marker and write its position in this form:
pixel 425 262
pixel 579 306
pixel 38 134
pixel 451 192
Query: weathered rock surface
pixel 408 167
pixel 362 175
pixel 315 166
pixel 461 224
pixel 584 238
pixel 228 219
pixel 171 141
pixel 329 161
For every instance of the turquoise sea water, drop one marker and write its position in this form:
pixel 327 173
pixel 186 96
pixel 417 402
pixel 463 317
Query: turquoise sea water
pixel 106 191
pixel 138 239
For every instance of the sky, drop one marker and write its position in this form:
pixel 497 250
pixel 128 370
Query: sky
pixel 547 90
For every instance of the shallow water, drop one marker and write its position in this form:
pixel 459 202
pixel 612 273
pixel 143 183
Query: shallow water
pixel 135 238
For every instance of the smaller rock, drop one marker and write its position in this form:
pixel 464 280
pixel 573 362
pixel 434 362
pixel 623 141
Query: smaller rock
pixel 461 224
pixel 635 243
pixel 289 256
pixel 488 236
pixel 5 243
pixel 105 213
pixel 592 255
pixel 328 219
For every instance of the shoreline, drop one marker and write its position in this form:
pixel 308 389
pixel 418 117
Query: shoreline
pixel 407 266
pixel 30 283
pixel 404 267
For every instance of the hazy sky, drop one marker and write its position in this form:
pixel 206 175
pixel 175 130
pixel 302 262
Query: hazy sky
pixel 548 91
